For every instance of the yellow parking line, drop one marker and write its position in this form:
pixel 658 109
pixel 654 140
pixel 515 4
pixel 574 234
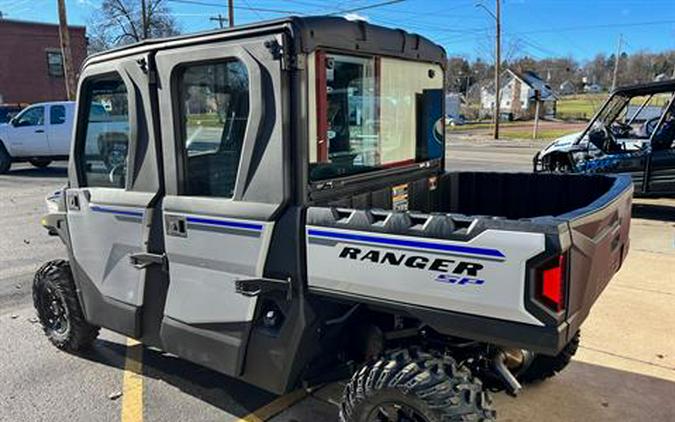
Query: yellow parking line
pixel 132 386
pixel 275 407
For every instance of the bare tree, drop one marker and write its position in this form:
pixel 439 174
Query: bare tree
pixel 120 22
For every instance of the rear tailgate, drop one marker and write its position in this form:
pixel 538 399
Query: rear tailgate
pixel 600 238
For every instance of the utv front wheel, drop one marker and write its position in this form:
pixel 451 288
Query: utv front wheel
pixel 58 307
pixel 417 387
pixel 543 367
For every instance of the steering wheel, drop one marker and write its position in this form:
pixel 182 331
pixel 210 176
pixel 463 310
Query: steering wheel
pixel 621 129
pixel 649 126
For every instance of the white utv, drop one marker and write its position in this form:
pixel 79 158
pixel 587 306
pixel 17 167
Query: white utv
pixel 284 217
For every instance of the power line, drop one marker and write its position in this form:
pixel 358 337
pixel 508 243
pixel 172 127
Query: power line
pixel 598 26
pixel 259 9
pixel 371 6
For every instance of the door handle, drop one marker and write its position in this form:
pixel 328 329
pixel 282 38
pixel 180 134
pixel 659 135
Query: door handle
pixel 74 202
pixel 39 131
pixel 176 225
pixel 143 260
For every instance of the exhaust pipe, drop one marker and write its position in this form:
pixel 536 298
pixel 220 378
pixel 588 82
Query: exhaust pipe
pixel 513 387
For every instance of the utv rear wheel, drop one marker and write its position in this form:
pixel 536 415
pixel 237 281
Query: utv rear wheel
pixel 543 367
pixel 40 163
pixel 58 308
pixel 413 386
pixel 5 160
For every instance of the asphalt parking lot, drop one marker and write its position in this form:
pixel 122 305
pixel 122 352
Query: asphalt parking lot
pixel 625 369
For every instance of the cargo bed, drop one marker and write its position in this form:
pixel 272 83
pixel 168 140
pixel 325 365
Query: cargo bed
pixel 506 225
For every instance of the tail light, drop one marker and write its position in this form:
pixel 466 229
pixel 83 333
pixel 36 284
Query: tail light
pixel 550 283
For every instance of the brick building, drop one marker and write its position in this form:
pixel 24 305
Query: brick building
pixel 31 65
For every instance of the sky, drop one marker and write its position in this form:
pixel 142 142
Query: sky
pixel 536 28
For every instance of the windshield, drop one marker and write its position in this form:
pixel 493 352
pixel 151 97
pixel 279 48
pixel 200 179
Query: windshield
pixel 627 122
pixel 373 113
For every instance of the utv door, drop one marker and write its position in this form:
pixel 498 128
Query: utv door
pixel 110 202
pixel 662 171
pixel 221 110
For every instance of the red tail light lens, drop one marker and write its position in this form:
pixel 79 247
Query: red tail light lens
pixel 551 284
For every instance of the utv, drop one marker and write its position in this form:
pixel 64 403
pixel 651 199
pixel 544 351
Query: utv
pixel 633 133
pixel 284 217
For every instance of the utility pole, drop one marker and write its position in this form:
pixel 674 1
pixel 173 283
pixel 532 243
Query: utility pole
pixel 66 52
pixel 616 61
pixel 144 20
pixel 498 58
pixel 537 99
pixel 498 62
pixel 220 19
pixel 230 12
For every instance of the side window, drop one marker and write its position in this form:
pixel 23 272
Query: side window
pixel 104 140
pixel 34 116
pixel 664 136
pixel 214 108
pixel 57 115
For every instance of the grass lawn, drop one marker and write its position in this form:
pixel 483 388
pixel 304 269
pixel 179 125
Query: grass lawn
pixel 580 106
pixel 543 134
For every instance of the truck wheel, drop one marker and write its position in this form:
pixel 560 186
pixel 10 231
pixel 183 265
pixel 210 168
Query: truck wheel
pixel 543 367
pixel 408 385
pixel 40 163
pixel 5 160
pixel 58 307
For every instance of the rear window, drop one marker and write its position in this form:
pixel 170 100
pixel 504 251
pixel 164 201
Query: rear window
pixel 373 113
pixel 102 157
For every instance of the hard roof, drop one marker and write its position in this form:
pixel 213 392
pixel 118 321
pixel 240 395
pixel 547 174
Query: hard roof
pixel 308 33
pixel 646 89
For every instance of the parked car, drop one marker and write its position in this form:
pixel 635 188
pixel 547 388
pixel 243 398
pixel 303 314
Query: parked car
pixel 41 133
pixel 302 241
pixel 7 111
pixel 633 133
pixel 456 120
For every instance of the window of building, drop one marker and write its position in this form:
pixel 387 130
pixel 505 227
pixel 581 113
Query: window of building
pixel 373 113
pixel 33 116
pixel 102 158
pixel 214 111
pixel 57 115
pixel 54 63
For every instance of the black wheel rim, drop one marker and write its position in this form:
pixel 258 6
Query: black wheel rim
pixel 54 311
pixel 395 412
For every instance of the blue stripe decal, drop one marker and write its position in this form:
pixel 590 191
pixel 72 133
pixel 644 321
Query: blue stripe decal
pixel 222 223
pixel 98 208
pixel 408 243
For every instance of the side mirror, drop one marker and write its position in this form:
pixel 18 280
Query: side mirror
pixel 12 121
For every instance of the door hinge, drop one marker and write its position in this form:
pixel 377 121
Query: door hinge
pixel 142 260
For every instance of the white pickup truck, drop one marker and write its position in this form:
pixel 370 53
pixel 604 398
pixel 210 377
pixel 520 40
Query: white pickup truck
pixel 42 132
pixel 39 134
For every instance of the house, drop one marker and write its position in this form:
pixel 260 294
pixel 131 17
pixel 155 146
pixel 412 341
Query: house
pixel 453 104
pixel 592 88
pixel 663 77
pixel 31 64
pixel 567 88
pixel 518 96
